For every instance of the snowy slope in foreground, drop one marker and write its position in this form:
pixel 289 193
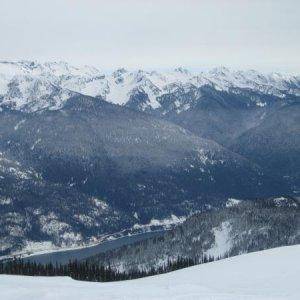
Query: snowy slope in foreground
pixel 271 274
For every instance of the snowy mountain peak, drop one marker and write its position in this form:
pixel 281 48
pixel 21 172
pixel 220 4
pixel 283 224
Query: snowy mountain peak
pixel 119 72
pixel 182 70
pixel 220 71
pixel 47 69
pixel 19 78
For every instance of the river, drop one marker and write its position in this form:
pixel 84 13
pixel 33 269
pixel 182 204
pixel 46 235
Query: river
pixel 63 257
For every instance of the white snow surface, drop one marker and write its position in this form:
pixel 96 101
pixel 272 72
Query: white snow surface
pixel 284 202
pixel 222 244
pixel 232 202
pixel 33 86
pixel 167 223
pixel 265 275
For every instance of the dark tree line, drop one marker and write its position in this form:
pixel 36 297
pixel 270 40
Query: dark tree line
pixel 91 272
pixel 74 269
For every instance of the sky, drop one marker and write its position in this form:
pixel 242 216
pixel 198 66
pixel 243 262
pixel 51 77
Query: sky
pixel 154 34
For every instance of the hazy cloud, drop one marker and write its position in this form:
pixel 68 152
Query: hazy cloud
pixel 261 34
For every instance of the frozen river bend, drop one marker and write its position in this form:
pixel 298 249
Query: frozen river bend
pixel 271 274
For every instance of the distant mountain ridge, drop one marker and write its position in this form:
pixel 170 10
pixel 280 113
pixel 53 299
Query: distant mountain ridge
pixel 22 81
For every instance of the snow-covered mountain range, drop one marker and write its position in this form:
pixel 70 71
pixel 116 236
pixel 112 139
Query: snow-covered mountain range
pixel 31 86
pixel 147 145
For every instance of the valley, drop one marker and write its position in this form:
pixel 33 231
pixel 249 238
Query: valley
pixel 86 154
